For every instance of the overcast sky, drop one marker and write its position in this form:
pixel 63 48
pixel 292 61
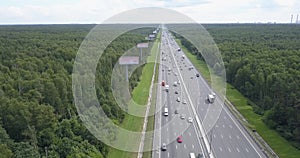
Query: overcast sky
pixel 96 11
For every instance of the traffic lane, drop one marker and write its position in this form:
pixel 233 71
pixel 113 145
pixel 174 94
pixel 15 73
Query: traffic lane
pixel 227 137
pixel 169 134
pixel 157 134
pixel 204 108
pixel 203 111
pixel 189 134
pixel 188 144
pixel 193 146
pixel 187 115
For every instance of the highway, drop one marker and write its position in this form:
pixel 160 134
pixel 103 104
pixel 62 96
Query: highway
pixel 227 137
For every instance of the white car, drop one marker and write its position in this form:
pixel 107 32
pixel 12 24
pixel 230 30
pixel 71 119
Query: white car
pixel 190 119
pixel 182 116
pixel 178 99
pixel 184 101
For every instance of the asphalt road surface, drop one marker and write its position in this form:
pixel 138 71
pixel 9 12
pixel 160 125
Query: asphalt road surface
pixel 223 138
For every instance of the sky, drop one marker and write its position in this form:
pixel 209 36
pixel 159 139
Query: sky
pixel 97 11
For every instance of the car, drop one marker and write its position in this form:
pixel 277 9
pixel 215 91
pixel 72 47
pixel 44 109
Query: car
pixel 175 74
pixel 184 101
pixel 164 147
pixel 182 116
pixel 192 77
pixel 179 139
pixel 190 119
pixel 197 75
pixel 176 111
pixel 175 84
pixel 178 99
pixel 176 92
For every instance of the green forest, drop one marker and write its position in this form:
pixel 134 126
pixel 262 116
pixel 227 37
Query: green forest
pixel 263 62
pixel 37 113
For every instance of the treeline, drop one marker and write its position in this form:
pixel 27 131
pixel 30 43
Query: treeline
pixel 263 62
pixel 37 113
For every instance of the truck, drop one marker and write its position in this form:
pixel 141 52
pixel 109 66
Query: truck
pixel 211 98
pixel 167 88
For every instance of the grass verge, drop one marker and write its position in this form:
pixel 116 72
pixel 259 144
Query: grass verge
pixel 280 145
pixel 140 95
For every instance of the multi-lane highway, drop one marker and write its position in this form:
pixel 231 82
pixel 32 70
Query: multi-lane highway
pixel 186 101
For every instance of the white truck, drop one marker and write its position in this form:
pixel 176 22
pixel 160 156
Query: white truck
pixel 211 97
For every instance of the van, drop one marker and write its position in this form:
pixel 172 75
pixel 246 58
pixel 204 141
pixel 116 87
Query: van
pixel 192 155
pixel 166 112
pixel 211 98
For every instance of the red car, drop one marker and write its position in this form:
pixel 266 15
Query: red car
pixel 179 139
pixel 163 83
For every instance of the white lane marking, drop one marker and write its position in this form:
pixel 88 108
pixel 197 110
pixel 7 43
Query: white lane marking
pixel 238 137
pixel 190 134
pixel 194 111
pixel 237 149
pixel 217 126
pixel 221 149
pixel 221 136
pixel 229 149
pixel 214 136
pixel 247 150
pixel 193 146
pixel 176 146
pixel 225 109
pixel 223 126
pixel 184 146
pixel 168 154
pixel 230 137
pixel 175 134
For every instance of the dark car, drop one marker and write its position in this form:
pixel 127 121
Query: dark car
pixel 197 75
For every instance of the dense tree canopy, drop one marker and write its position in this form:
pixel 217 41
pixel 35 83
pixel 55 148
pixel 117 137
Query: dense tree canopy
pixel 37 113
pixel 263 62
